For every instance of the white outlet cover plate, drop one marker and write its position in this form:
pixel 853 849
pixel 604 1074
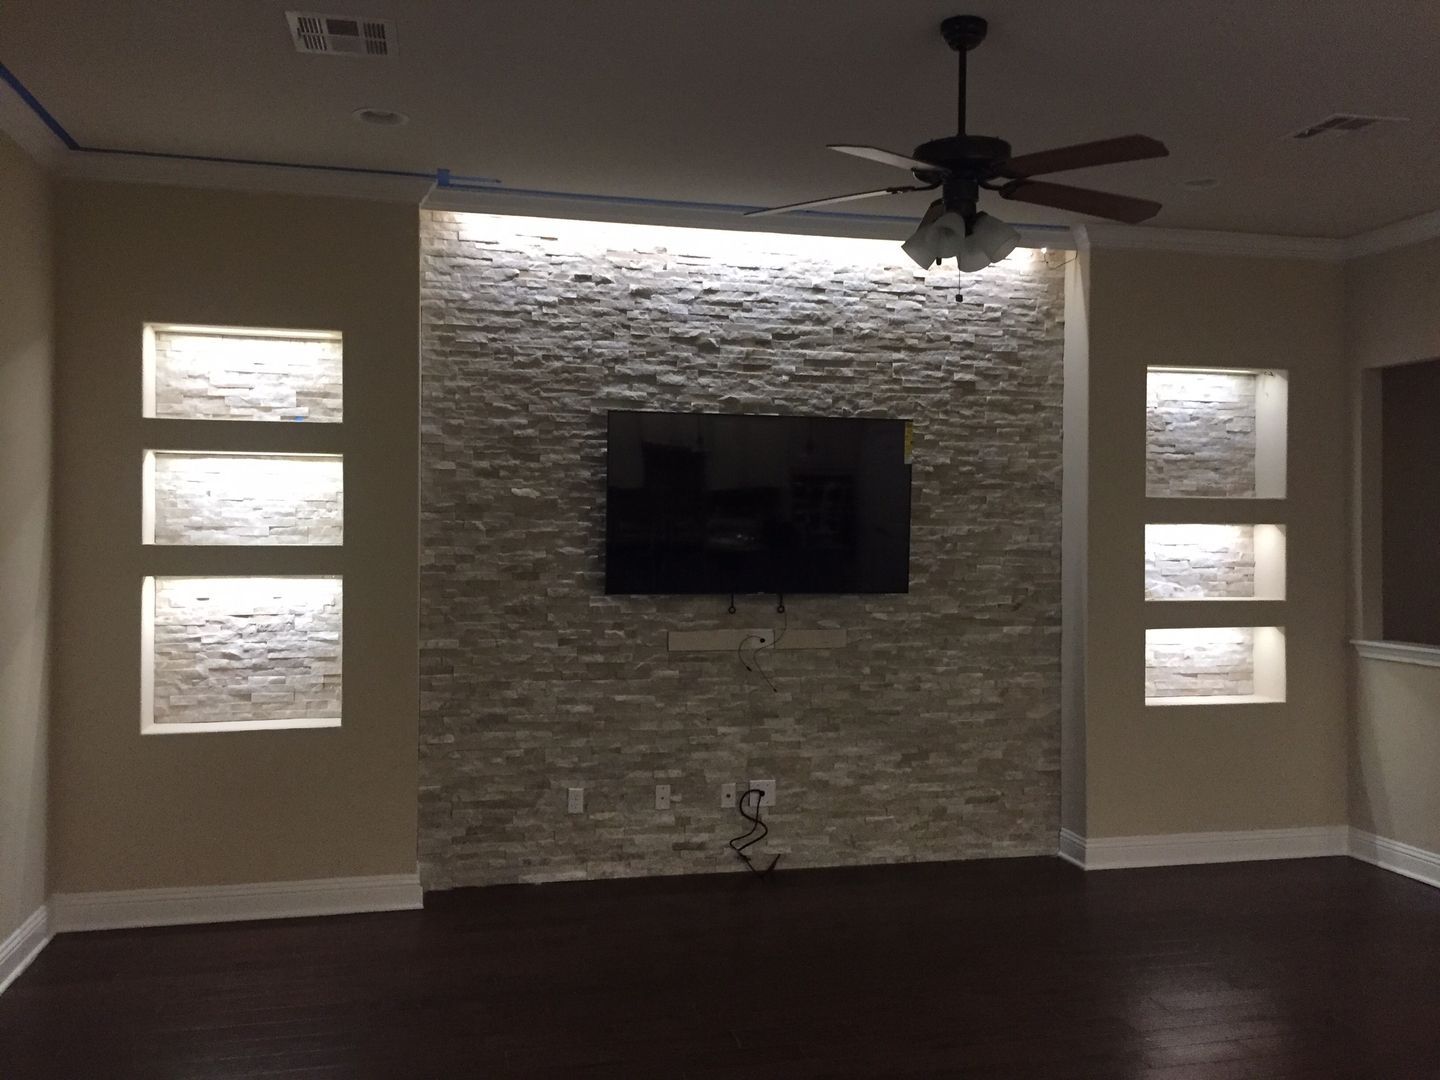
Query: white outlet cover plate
pixel 768 787
pixel 575 800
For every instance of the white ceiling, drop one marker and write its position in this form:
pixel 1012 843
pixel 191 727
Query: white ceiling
pixel 732 101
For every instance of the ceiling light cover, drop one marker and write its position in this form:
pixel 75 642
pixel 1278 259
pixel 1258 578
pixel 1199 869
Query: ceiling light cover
pixel 921 245
pixel 994 236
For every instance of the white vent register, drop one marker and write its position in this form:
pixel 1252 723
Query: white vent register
pixel 341 35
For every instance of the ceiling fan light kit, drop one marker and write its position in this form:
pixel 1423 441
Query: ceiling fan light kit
pixel 963 165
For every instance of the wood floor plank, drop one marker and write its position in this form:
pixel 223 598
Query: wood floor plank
pixel 999 970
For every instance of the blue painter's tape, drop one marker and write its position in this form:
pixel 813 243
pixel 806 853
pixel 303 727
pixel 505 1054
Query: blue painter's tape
pixel 8 76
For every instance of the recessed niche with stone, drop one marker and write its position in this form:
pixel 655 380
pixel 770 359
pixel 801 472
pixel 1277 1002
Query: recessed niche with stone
pixel 1215 433
pixel 236 653
pixel 1214 562
pixel 1214 665
pixel 230 373
pixel 243 499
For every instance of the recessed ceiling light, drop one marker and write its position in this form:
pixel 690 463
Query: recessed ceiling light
pixel 380 117
pixel 1200 183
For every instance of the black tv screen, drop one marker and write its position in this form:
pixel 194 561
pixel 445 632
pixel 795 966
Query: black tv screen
pixel 711 503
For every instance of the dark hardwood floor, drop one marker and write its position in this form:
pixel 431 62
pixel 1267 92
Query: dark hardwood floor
pixel 1000 969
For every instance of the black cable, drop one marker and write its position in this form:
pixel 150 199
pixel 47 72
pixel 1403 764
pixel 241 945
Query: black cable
pixel 774 644
pixel 740 649
pixel 749 838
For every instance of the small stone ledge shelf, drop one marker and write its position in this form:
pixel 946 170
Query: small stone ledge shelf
pixel 1399 652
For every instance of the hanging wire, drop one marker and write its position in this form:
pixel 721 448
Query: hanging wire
pixel 758 831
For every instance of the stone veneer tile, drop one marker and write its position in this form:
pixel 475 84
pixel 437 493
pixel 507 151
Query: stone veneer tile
pixel 1200 434
pixel 248 499
pixel 1199 562
pixel 1200 662
pixel 933 735
pixel 243 648
pixel 232 376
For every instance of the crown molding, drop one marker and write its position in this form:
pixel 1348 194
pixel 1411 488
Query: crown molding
pixel 1207 242
pixel 24 129
pixel 1400 234
pixel 232 176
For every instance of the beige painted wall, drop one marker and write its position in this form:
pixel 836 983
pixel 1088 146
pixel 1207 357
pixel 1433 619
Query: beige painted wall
pixel 133 811
pixel 26 364
pixel 1227 767
pixel 1392 317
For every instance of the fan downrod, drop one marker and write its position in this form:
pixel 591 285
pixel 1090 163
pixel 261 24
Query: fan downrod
pixel 964 32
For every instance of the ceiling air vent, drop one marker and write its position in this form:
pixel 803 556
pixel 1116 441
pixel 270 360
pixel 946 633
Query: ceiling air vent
pixel 341 35
pixel 1344 124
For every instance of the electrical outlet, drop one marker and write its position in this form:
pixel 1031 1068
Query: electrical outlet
pixel 768 787
pixel 727 796
pixel 575 801
pixel 662 796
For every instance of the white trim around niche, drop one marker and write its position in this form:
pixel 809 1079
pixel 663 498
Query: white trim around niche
pixel 1399 652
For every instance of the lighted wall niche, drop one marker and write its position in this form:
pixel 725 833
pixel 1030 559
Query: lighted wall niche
pixel 194 498
pixel 1211 665
pixel 228 653
pixel 1215 434
pixel 228 373
pixel 1214 562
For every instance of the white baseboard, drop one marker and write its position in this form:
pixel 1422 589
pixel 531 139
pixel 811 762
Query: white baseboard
pixel 17 950
pixel 1072 848
pixel 1406 859
pixel 1182 849
pixel 231 903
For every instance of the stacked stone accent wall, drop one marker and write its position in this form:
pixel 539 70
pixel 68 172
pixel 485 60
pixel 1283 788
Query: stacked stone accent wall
pixel 1200 435
pixel 1199 562
pixel 1200 663
pixel 933 735
pixel 248 499
pixel 237 377
pixel 231 649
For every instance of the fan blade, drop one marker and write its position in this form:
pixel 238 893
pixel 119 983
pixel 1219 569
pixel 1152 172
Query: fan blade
pixel 887 157
pixel 836 199
pixel 1084 155
pixel 1081 200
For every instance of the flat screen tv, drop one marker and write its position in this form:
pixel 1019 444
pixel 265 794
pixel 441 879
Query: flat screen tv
pixel 701 503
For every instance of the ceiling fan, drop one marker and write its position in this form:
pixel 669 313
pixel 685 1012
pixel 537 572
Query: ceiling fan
pixel 962 165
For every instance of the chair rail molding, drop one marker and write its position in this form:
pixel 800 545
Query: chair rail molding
pixel 1399 652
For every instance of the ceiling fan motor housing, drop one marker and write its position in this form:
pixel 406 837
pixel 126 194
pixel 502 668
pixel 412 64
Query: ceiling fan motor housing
pixel 964 162
pixel 980 156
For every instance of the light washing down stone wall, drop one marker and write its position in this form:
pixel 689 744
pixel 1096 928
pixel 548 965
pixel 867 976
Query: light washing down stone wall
pixel 213 376
pixel 1199 562
pixel 231 649
pixel 933 735
pixel 1200 434
pixel 248 499
pixel 1200 662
